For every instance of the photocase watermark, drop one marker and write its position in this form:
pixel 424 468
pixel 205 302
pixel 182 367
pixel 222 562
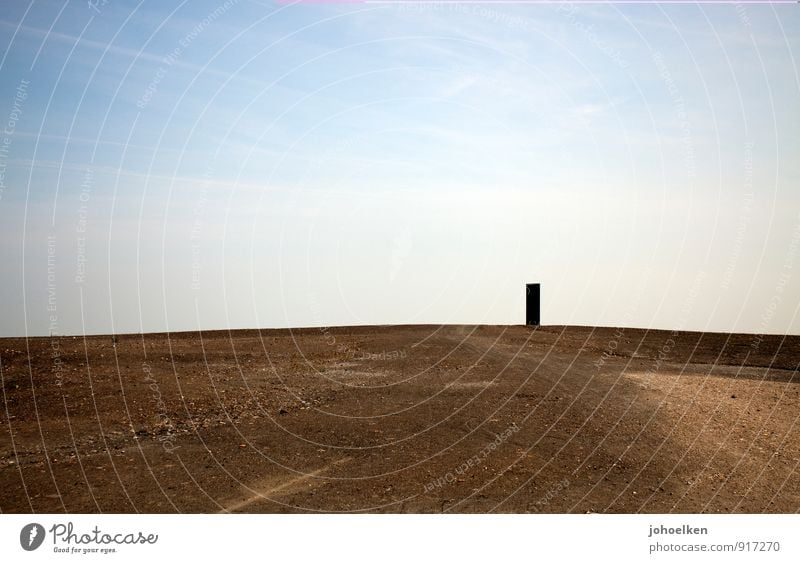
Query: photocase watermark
pixel 382 356
pixel 619 333
pixel 82 224
pixel 52 302
pixel 741 12
pixel 175 55
pixel 479 10
pixel 570 12
pixel 482 11
pixel 744 216
pixel 552 492
pixel 666 348
pixel 785 276
pixel 97 5
pixel 474 461
pixel 197 227
pixel 680 114
pixel 325 331
pixel 9 127
pixel 165 421
pixel 350 352
pixel 31 536
pixel 67 540
pixel 611 346
pixel 52 313
pixel 16 109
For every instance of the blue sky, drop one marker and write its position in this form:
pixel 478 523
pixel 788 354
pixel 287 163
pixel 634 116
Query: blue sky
pixel 254 164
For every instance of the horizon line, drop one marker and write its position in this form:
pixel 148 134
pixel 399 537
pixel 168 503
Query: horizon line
pixel 324 328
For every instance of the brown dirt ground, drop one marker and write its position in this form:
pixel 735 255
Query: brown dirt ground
pixel 402 419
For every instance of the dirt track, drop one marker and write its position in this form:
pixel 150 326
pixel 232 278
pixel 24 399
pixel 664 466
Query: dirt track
pixel 402 419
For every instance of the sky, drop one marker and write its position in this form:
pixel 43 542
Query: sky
pixel 172 166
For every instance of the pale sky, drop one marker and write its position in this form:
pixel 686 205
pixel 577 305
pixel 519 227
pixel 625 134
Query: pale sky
pixel 176 166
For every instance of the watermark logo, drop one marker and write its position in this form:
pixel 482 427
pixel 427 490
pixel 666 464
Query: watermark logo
pixel 31 536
